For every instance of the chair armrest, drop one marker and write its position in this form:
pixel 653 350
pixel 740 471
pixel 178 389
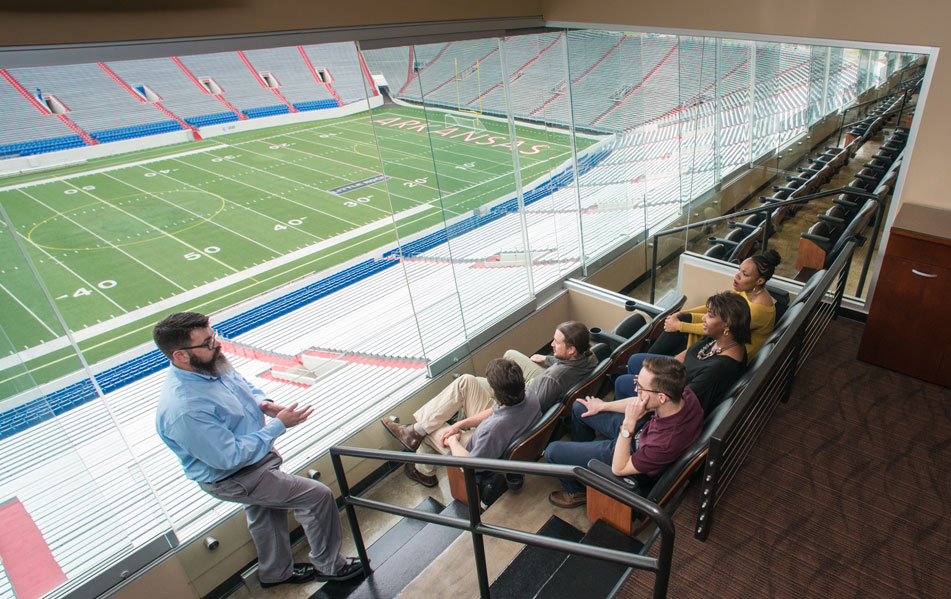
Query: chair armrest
pixel 726 242
pixel 602 469
pixel 609 339
pixel 832 220
pixel 741 225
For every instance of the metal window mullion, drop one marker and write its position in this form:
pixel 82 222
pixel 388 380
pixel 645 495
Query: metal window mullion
pixel 752 102
pixel 574 154
pixel 825 82
pixel 523 220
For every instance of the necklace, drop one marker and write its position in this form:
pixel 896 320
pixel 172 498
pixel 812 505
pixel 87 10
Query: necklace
pixel 756 292
pixel 710 349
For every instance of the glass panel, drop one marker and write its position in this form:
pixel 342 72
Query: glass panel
pixel 537 73
pixel 765 99
pixel 734 75
pixel 68 480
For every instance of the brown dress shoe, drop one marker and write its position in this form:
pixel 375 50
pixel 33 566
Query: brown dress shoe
pixel 413 474
pixel 404 433
pixel 567 500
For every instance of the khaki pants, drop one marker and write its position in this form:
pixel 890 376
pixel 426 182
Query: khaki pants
pixel 468 394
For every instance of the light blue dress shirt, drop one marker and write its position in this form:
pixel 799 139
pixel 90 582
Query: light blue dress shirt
pixel 214 424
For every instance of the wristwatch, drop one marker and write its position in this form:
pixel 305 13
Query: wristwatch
pixel 625 433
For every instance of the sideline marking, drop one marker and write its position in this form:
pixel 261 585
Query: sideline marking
pixel 107 169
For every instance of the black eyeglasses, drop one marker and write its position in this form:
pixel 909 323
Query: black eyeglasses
pixel 637 387
pixel 209 344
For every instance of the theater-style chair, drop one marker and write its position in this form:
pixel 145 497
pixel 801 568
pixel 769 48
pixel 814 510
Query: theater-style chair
pixel 816 251
pixel 529 446
pixel 640 342
pixel 745 247
pixel 717 251
pixel 676 477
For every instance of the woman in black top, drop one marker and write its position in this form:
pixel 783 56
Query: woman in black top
pixel 715 362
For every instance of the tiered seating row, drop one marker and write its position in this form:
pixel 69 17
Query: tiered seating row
pixel 135 131
pixel 108 99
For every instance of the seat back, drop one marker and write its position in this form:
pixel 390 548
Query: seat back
pixel 636 343
pixel 717 251
pixel 861 220
pixel 690 460
pixel 530 445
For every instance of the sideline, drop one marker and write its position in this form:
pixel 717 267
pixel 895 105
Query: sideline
pixel 115 167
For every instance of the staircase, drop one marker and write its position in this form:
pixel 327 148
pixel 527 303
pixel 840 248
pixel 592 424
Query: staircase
pixel 399 555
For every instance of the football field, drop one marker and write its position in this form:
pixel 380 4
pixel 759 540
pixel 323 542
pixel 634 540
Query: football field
pixel 200 226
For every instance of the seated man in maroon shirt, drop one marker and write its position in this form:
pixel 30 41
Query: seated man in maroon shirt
pixel 675 422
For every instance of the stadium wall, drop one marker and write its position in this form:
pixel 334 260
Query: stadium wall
pixel 62 158
pixel 287 119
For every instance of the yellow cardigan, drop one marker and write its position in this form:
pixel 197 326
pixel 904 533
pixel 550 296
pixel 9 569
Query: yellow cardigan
pixel 762 321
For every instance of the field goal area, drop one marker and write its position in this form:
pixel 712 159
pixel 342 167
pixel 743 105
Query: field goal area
pixel 470 121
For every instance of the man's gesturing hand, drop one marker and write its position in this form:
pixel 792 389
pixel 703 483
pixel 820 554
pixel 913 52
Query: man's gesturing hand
pixel 291 416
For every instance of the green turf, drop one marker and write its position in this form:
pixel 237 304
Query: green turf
pixel 115 235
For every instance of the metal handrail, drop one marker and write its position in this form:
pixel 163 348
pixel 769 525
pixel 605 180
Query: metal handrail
pixel 660 565
pixel 769 209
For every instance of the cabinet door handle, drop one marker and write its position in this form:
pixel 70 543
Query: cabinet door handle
pixel 924 274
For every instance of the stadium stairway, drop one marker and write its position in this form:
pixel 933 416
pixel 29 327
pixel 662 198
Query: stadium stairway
pixel 399 556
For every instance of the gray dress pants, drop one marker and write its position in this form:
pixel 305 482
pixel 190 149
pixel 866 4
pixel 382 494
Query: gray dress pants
pixel 268 494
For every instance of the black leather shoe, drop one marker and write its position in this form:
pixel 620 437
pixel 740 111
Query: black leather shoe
pixel 351 569
pixel 302 573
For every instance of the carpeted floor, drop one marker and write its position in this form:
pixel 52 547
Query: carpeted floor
pixel 847 493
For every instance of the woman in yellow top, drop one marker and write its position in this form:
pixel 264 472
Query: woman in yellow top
pixel 749 282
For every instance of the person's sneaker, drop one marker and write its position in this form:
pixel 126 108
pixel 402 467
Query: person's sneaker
pixel 413 474
pixel 567 500
pixel 302 573
pixel 406 434
pixel 351 569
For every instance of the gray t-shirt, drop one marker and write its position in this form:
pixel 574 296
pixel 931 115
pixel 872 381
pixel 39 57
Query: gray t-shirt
pixel 559 376
pixel 497 432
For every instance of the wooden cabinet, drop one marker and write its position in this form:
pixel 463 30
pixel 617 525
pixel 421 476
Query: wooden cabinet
pixel 909 323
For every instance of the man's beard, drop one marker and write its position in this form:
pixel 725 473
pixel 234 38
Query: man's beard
pixel 218 365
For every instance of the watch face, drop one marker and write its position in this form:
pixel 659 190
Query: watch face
pixel 625 433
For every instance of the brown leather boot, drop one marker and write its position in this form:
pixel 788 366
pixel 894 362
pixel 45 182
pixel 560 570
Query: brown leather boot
pixel 567 500
pixel 405 434
pixel 413 474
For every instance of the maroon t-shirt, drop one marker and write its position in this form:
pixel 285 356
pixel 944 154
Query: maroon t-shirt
pixel 663 440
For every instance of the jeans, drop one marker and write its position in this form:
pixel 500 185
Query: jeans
pixel 582 448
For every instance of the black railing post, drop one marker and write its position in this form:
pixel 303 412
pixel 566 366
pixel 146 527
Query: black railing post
pixel 351 512
pixel 840 285
pixel 766 233
pixel 708 489
pixel 902 109
pixel 871 246
pixel 475 519
pixel 654 269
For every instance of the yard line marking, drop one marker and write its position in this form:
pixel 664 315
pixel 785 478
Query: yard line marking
pixel 321 126
pixel 92 286
pixel 271 193
pixel 211 222
pixel 299 182
pixel 25 307
pixel 319 156
pixel 96 235
pixel 206 290
pixel 150 225
pixel 111 168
